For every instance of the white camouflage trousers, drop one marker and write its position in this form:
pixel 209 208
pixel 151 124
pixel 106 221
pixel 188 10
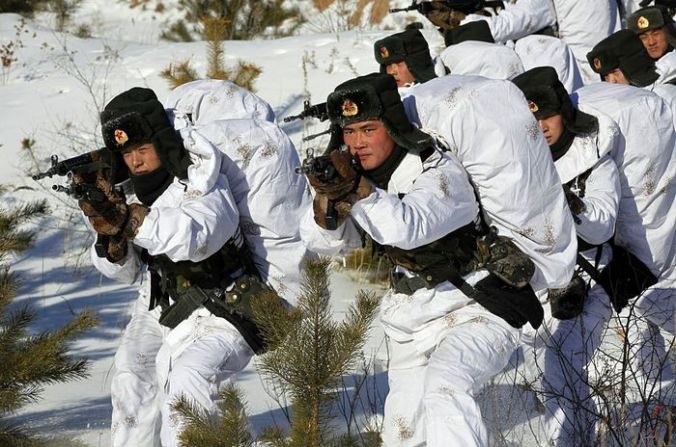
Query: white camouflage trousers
pixel 569 345
pixel 155 365
pixel 431 398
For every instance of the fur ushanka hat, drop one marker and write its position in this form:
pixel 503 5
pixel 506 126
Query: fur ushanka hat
pixel 375 97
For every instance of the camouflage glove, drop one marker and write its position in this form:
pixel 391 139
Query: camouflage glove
pixel 334 199
pixel 113 220
pixel 446 20
pixel 108 215
pixel 575 203
pixel 327 214
pixel 105 217
pixel 117 248
pixel 135 217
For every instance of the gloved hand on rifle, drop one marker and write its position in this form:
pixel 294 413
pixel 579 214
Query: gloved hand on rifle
pixel 443 16
pixel 110 216
pixel 336 195
pixel 575 203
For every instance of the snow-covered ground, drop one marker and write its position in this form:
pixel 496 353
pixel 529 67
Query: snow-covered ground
pixel 51 95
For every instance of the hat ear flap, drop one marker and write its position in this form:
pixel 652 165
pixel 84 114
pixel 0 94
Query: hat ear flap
pixel 170 150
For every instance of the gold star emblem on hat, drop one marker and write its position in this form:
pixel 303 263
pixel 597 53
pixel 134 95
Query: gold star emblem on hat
pixel 532 106
pixel 384 52
pixel 121 137
pixel 597 63
pixel 642 23
pixel 349 108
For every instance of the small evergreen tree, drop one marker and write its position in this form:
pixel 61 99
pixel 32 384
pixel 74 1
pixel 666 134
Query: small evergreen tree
pixel 309 354
pixel 28 361
pixel 246 19
pixel 231 430
pixel 314 353
pixel 244 74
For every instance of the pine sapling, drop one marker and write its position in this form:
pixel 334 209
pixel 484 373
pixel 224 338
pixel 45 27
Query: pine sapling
pixel 29 361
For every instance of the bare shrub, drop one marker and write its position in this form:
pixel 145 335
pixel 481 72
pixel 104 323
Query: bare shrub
pixel 63 11
pixel 8 56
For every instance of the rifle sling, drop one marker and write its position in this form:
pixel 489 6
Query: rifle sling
pixel 588 268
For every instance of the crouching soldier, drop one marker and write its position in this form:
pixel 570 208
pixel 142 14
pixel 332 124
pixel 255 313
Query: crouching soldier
pixel 452 319
pixel 176 233
pixel 580 144
pixel 406 56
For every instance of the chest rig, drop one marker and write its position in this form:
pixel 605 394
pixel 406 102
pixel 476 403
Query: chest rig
pixel 623 278
pixel 505 292
pixel 578 185
pixel 224 284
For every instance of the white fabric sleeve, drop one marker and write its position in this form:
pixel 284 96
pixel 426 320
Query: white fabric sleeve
pixel 518 20
pixel 193 227
pixel 440 201
pixel 328 242
pixel 602 197
pixel 126 271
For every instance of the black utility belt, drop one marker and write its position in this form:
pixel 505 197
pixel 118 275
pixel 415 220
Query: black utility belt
pixel 233 304
pixel 408 285
pixel 516 305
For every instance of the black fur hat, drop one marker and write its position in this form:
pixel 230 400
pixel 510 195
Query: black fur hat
pixel 375 97
pixel 409 46
pixel 136 117
pixel 624 50
pixel 477 30
pixel 653 17
pixel 547 96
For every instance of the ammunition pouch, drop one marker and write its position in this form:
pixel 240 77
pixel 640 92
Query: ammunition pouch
pixel 226 283
pixel 453 254
pixel 567 302
pixel 505 292
pixel 236 306
pixel 516 305
pixel 500 256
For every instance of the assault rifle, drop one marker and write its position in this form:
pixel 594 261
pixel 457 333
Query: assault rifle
pixel 88 163
pixel 320 167
pixel 425 7
pixel 448 14
pixel 323 169
pixel 315 111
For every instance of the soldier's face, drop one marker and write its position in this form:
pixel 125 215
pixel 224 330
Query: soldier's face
pixel 616 77
pixel 401 73
pixel 655 42
pixel 369 141
pixel 552 127
pixel 141 159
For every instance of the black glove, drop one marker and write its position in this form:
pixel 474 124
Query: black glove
pixel 567 302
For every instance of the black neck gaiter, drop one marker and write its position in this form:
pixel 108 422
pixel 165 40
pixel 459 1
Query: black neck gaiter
pixel 382 174
pixel 560 148
pixel 148 187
